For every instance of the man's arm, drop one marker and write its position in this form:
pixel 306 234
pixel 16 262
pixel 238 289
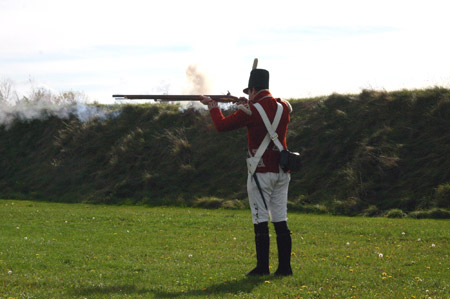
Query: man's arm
pixel 237 120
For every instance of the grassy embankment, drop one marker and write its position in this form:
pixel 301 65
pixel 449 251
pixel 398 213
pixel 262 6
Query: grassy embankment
pixel 53 250
pixel 363 154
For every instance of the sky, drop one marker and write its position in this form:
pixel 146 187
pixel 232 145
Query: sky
pixel 311 48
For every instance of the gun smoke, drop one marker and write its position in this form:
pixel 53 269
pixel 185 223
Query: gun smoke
pixel 42 104
pixel 198 82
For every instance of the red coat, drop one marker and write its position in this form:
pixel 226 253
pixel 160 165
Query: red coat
pixel 248 116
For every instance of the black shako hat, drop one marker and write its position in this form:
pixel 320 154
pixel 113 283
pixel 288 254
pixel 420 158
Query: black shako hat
pixel 259 79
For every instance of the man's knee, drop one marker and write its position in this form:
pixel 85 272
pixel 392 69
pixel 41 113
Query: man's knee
pixel 281 228
pixel 261 229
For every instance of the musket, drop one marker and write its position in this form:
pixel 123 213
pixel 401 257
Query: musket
pixel 218 98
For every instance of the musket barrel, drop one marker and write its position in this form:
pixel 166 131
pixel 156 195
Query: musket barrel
pixel 159 97
pixel 175 98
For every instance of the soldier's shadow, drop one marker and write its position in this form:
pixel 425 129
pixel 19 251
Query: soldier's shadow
pixel 232 287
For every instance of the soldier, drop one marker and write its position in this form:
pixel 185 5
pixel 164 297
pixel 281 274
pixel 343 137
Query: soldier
pixel 267 183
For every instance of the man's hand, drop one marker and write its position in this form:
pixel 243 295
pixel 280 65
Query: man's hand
pixel 205 100
pixel 241 101
pixel 209 102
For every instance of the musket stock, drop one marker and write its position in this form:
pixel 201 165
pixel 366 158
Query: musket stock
pixel 176 98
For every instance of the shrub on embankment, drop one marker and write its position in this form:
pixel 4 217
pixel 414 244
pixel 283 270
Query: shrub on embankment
pixel 363 154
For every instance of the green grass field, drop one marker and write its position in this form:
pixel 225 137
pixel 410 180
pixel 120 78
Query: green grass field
pixel 50 250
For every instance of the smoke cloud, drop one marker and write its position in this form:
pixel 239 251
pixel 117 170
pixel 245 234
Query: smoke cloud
pixel 42 104
pixel 197 80
pixel 197 83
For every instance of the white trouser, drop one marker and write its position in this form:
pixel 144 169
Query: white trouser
pixel 274 187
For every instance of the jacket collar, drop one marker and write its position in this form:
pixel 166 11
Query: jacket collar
pixel 262 94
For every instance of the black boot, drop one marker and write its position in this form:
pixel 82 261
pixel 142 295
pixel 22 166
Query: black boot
pixel 262 243
pixel 284 244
